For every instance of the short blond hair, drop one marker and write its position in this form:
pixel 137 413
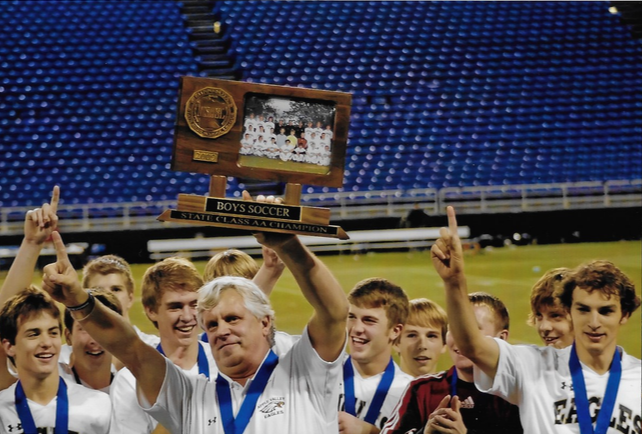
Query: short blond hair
pixel 379 292
pixel 231 262
pixel 170 274
pixel 108 264
pixel 427 313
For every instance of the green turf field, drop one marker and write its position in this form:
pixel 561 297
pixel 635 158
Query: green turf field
pixel 507 272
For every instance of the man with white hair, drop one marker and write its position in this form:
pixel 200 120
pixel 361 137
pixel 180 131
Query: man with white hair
pixel 257 390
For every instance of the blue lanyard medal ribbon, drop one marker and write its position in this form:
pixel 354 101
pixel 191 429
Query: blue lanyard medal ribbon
pixel 237 425
pixel 62 410
pixel 581 397
pixel 379 396
pixel 201 359
pixel 453 384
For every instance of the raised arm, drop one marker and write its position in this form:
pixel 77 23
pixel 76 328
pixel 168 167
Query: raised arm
pixel 39 223
pixel 270 271
pixel 448 260
pixel 327 327
pixel 107 327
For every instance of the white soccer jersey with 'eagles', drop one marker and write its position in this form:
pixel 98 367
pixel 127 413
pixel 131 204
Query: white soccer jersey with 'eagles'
pixel 538 380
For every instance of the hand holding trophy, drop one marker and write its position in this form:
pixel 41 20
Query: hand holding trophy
pixel 286 134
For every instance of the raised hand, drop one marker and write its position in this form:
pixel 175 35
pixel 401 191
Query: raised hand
pixel 271 260
pixel 41 222
pixel 446 418
pixel 447 255
pixel 38 225
pixel 269 239
pixel 60 279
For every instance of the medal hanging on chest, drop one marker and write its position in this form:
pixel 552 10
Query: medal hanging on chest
pixel 379 396
pixel 237 425
pixel 62 410
pixel 581 397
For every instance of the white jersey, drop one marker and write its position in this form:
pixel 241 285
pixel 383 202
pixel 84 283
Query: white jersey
pixel 65 354
pixel 151 340
pixel 364 391
pixel 66 371
pixel 300 397
pixel 284 342
pixel 127 416
pixel 538 380
pixel 89 411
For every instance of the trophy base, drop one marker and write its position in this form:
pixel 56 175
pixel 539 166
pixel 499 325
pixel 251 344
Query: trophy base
pixel 252 224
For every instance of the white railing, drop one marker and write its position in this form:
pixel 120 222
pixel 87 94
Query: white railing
pixel 365 205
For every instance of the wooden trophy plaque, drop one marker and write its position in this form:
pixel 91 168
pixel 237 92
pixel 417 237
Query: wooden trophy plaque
pixel 266 132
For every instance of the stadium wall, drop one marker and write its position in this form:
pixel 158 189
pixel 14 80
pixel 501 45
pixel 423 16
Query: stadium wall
pixel 593 225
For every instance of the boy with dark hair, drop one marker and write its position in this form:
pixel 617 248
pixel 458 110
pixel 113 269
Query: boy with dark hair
pixel 89 365
pixel 475 412
pixel 372 381
pixel 30 329
pixel 557 390
pixel 94 364
pixel 551 319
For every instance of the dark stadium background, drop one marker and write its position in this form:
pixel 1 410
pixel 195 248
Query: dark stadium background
pixel 526 116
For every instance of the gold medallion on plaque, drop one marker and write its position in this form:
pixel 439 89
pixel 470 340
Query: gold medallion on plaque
pixel 210 112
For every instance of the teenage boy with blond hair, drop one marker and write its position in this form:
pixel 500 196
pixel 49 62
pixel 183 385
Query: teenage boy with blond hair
pixel 594 381
pixel 372 381
pixel 423 338
pixel 169 290
pixel 551 319
pixel 113 273
pixel 472 410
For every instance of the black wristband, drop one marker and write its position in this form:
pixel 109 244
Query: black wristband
pixel 90 302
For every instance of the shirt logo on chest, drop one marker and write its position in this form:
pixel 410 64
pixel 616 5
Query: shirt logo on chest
pixel 564 386
pixel 468 403
pixel 272 407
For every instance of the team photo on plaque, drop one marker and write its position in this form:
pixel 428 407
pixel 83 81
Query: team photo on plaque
pixel 264 132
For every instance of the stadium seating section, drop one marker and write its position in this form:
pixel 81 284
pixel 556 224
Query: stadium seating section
pixel 444 94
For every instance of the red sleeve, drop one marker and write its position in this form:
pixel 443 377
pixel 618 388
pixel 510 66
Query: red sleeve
pixel 417 403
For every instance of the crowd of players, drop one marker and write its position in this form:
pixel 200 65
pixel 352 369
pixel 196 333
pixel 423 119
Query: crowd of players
pixel 287 140
pixel 218 364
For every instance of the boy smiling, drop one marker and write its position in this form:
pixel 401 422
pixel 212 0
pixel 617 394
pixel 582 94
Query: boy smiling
pixel 372 381
pixel 41 400
pixel 557 391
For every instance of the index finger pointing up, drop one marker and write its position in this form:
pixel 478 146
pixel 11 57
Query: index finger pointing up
pixel 452 220
pixel 61 251
pixel 55 197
